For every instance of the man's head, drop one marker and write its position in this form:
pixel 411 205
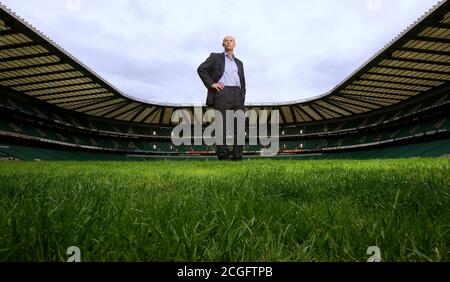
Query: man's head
pixel 228 43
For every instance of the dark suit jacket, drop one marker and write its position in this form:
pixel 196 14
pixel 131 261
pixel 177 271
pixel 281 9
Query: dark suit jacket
pixel 211 70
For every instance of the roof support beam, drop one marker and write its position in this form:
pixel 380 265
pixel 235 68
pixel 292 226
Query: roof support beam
pixel 53 100
pixel 163 110
pixel 82 103
pixel 413 69
pixel 325 108
pixel 93 101
pixel 127 111
pixel 430 39
pixel 43 74
pixel 8 32
pixel 119 104
pixel 24 57
pixel 24 68
pixel 269 115
pixel 66 92
pixel 9 47
pixel 316 111
pixel 379 92
pixel 393 82
pixel 294 117
pixel 329 101
pixel 335 103
pixel 150 113
pixel 369 102
pixel 46 81
pixel 138 113
pixel 363 96
pixel 282 116
pixel 57 87
pixel 408 60
pixel 408 77
pixel 424 51
pixel 441 25
pixel 299 108
pixel 116 105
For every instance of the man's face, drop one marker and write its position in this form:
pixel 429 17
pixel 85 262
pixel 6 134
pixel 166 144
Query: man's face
pixel 228 43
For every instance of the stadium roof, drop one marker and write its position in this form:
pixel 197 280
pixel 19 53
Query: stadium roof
pixel 415 62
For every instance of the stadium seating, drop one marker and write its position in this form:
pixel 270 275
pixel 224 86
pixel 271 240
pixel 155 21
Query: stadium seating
pixel 22 118
pixel 435 148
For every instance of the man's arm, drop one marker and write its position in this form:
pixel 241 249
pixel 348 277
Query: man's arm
pixel 204 69
pixel 243 90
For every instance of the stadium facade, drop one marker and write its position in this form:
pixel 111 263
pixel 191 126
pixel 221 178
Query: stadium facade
pixel 54 107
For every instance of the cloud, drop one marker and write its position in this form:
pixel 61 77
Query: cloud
pixel 291 49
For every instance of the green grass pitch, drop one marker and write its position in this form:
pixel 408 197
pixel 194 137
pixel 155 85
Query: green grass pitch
pixel 254 210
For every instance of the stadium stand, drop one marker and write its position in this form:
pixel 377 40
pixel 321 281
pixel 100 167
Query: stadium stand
pixel 52 107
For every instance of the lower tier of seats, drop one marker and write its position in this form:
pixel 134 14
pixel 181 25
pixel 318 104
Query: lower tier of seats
pixel 24 150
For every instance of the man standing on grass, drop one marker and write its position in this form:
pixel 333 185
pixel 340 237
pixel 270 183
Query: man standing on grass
pixel 223 76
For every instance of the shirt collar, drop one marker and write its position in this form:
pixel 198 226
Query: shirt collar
pixel 226 56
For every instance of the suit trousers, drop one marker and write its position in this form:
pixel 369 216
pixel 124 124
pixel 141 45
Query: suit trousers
pixel 229 98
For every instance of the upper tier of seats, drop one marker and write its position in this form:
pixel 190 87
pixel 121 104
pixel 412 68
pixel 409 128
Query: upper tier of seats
pixel 51 115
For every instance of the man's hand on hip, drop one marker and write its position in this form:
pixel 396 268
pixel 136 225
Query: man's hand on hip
pixel 218 86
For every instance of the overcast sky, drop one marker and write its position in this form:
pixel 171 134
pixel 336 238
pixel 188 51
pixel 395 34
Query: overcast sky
pixel 291 50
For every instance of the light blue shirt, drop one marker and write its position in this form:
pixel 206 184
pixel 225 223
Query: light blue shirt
pixel 230 75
